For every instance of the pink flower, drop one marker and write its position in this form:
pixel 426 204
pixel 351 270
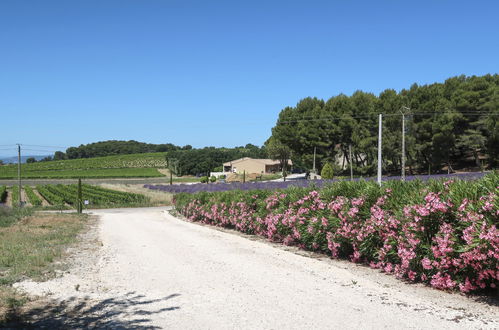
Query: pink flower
pixel 426 263
pixel 388 268
pixel 353 212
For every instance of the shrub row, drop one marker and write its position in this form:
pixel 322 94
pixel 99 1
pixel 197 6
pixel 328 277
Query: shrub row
pixel 443 233
pixel 15 195
pixel 51 196
pixel 33 198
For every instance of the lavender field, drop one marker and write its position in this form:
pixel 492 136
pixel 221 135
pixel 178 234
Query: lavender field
pixel 272 185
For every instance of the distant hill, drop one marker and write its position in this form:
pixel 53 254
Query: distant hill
pixel 13 159
pixel 112 148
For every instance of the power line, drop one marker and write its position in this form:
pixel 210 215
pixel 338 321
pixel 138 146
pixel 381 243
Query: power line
pixel 34 145
pixel 373 116
pixel 38 150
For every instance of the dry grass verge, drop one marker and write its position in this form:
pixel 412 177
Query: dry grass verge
pixel 32 247
pixel 157 198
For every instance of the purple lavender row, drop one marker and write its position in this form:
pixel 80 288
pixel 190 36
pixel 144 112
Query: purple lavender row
pixel 272 185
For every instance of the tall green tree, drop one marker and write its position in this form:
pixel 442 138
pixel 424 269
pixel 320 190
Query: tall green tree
pixel 278 151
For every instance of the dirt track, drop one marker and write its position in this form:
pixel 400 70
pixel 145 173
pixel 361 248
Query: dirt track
pixel 154 270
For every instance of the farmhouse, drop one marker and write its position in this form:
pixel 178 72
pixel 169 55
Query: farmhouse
pixel 252 165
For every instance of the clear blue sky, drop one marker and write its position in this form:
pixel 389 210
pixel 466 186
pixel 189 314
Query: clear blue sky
pixel 217 72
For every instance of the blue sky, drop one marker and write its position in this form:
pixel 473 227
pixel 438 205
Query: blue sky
pixel 217 73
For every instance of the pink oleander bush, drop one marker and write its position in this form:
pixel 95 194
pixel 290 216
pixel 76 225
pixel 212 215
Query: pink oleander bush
pixel 441 233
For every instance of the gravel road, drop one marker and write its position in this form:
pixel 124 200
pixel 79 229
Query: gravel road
pixel 152 270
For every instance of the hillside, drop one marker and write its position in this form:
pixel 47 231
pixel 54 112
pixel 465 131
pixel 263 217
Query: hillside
pixel 113 147
pixel 120 166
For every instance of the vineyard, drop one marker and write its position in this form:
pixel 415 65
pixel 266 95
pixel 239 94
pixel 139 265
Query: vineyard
pixel 65 196
pixel 136 165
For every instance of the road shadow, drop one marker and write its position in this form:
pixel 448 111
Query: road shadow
pixel 130 311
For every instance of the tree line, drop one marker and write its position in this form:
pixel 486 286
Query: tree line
pixel 449 125
pixel 113 147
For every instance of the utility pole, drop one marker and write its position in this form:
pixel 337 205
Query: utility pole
pixel 380 136
pixel 313 169
pixel 80 202
pixel 403 140
pixel 19 172
pixel 351 166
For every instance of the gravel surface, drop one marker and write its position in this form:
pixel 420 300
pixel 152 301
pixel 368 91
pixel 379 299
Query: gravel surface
pixel 149 269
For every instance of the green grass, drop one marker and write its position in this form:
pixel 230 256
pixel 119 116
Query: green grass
pixel 121 166
pixel 28 248
pixel 8 215
pixel 183 179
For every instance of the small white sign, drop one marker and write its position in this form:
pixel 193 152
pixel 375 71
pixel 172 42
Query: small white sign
pixel 86 202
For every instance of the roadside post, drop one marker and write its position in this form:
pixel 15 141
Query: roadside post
pixel 79 202
pixel 380 136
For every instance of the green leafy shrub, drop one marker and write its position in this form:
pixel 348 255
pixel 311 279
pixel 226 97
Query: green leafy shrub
pixel 327 171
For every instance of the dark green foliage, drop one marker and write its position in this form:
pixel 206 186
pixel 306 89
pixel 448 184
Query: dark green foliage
pixel 454 124
pixel 3 194
pixel 109 148
pixel 278 151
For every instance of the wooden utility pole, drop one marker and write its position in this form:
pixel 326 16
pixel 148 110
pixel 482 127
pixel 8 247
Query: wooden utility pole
pixel 403 147
pixel 313 169
pixel 79 206
pixel 351 166
pixel 19 173
pixel 403 141
pixel 380 144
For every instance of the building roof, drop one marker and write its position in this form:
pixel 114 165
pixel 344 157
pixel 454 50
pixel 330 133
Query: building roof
pixel 260 160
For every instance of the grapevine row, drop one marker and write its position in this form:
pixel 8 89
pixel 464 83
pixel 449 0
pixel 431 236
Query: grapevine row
pixel 15 195
pixel 61 194
pixel 33 198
